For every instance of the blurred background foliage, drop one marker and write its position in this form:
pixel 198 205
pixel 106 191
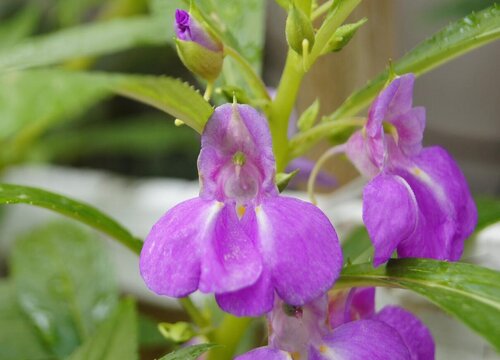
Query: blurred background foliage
pixel 114 134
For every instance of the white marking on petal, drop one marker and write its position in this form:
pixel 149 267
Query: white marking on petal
pixel 265 231
pixel 427 180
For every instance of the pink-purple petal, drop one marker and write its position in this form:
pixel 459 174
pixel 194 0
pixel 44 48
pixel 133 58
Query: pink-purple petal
pixel 415 334
pixel 389 213
pixel 171 256
pixel 358 153
pixel 230 260
pixel 410 130
pixel 198 244
pixel 188 29
pixel 345 306
pixel 265 353
pixel 361 340
pixel 233 129
pixel 254 300
pixel 454 197
pixel 300 247
pixel 395 99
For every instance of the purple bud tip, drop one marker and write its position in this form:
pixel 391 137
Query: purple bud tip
pixel 182 20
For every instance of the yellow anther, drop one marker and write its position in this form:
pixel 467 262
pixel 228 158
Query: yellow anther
pixel 240 210
pixel 323 349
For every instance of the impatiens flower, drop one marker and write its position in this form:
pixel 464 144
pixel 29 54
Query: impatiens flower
pixel 198 49
pixel 417 201
pixel 314 332
pixel 240 239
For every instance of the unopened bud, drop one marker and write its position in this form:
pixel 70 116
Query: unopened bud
pixel 298 28
pixel 342 36
pixel 200 52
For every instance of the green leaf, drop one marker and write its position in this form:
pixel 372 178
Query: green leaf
pixel 86 40
pixel 170 95
pixel 66 94
pixel 337 15
pixel 116 338
pixel 357 247
pixel 240 24
pixel 18 337
pixel 488 211
pixel 189 353
pixel 283 179
pixel 308 117
pixel 64 283
pixel 468 292
pixel 16 194
pixel 454 40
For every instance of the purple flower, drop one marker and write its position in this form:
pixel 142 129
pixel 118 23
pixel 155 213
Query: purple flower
pixel 417 201
pixel 359 304
pixel 312 331
pixel 240 239
pixel 188 29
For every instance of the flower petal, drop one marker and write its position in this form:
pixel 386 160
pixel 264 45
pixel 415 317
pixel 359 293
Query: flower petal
pixel 389 213
pixel 236 128
pixel 253 300
pixel 188 29
pixel 395 99
pixel 349 305
pixel 447 214
pixel 198 243
pixel 415 334
pixel 230 260
pixel 362 157
pixel 264 353
pixel 293 329
pixel 410 128
pixel 175 237
pixel 361 340
pixel 300 247
pixel 301 256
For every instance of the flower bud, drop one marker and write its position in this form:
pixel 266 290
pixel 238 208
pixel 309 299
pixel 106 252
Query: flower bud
pixel 342 36
pixel 200 52
pixel 298 28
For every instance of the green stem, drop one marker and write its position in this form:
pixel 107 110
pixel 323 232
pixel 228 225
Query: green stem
pixel 194 313
pixel 323 8
pixel 282 107
pixel 252 77
pixel 208 90
pixel 303 141
pixel 229 333
pixel 331 23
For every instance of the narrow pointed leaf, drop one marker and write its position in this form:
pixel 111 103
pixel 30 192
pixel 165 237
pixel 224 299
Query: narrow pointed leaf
pixel 170 95
pixel 468 292
pixel 454 40
pixel 16 194
pixel 188 353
